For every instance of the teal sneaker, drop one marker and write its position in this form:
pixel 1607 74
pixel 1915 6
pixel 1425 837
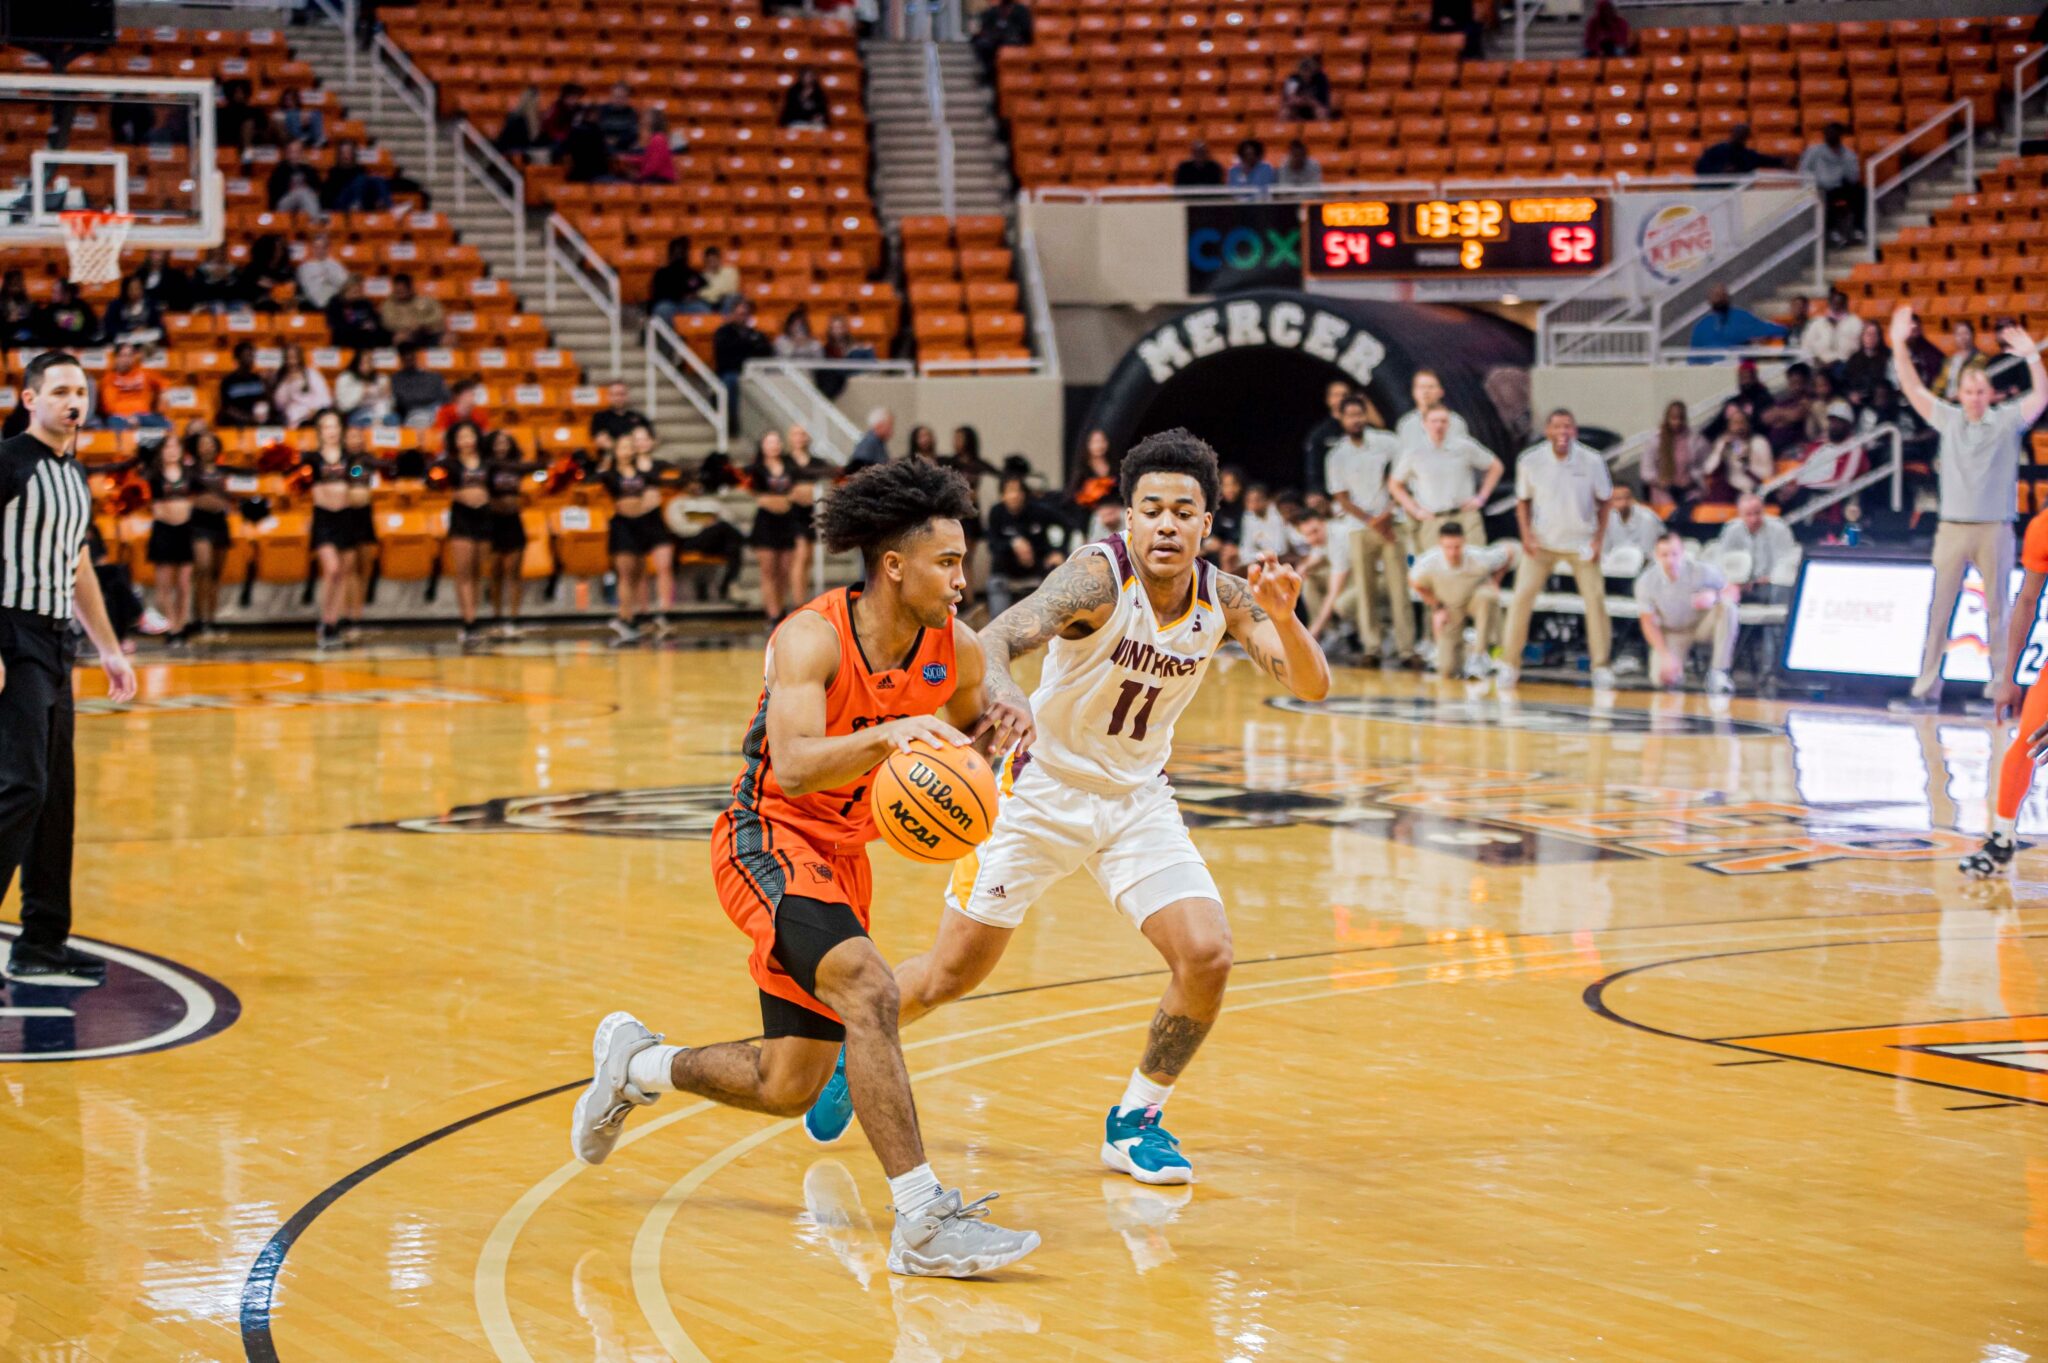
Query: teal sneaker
pixel 1139 1146
pixel 832 1113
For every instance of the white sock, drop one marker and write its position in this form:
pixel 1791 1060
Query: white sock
pixel 1142 1092
pixel 911 1193
pixel 2003 826
pixel 653 1070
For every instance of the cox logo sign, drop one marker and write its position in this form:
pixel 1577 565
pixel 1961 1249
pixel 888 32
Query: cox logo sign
pixel 1232 247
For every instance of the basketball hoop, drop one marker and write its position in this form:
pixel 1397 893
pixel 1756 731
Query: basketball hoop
pixel 94 239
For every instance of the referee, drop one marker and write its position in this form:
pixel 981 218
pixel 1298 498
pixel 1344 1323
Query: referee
pixel 46 577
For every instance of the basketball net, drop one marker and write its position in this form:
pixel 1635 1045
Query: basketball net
pixel 94 239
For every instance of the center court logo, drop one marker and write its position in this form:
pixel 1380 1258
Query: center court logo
pixel 146 1004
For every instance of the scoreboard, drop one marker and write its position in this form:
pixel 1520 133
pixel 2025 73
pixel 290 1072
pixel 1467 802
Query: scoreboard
pixel 1420 238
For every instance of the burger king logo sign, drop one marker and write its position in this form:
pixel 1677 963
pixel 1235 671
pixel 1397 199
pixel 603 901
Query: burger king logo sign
pixel 1676 240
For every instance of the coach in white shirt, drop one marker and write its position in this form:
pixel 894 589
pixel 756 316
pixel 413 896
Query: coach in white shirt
pixel 1682 603
pixel 1428 391
pixel 1360 462
pixel 1263 529
pixel 1630 522
pixel 1832 336
pixel 1459 582
pixel 1444 477
pixel 1562 491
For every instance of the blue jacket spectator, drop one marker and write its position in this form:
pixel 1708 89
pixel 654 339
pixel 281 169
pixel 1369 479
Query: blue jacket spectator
pixel 1727 327
pixel 1251 169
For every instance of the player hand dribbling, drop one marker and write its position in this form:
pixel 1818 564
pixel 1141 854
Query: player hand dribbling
pixel 1275 586
pixel 1008 724
pixel 2005 700
pixel 120 675
pixel 906 731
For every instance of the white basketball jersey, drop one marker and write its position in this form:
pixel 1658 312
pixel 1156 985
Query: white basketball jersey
pixel 1106 705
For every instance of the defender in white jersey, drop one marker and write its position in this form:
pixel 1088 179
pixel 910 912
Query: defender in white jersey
pixel 1129 624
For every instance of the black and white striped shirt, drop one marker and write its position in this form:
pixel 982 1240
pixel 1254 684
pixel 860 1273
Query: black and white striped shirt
pixel 45 512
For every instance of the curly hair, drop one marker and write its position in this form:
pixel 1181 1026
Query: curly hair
pixel 1176 451
pixel 880 507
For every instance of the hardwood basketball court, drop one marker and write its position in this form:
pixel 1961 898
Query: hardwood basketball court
pixel 1557 1031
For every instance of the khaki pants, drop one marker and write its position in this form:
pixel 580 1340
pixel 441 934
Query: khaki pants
pixel 1422 536
pixel 1529 580
pixel 1715 628
pixel 1380 566
pixel 1987 546
pixel 1482 608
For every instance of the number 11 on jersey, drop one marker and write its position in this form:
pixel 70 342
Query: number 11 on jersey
pixel 1130 692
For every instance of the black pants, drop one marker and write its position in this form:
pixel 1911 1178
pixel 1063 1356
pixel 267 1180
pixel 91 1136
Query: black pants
pixel 1845 209
pixel 38 780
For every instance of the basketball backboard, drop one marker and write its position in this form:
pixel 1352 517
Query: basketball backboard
pixel 142 145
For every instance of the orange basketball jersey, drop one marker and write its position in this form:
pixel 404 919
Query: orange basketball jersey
pixel 2034 548
pixel 860 697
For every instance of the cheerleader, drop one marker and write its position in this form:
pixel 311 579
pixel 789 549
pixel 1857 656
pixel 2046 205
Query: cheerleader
pixel 781 536
pixel 465 471
pixel 356 441
pixel 167 473
pixel 210 535
pixel 340 485
pixel 509 469
pixel 638 536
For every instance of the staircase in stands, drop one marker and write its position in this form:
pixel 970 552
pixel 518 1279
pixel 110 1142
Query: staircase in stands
pixel 577 324
pixel 906 143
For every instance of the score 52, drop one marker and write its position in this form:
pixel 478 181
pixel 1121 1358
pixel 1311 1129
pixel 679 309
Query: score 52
pixel 1570 246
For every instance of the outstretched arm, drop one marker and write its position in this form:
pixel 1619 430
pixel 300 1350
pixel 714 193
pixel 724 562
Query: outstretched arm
pixel 1261 615
pixel 1073 602
pixel 1910 387
pixel 2027 348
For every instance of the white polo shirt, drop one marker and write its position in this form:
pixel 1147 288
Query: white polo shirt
pixel 1564 495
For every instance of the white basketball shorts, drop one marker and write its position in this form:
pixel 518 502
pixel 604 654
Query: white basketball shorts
pixel 1135 845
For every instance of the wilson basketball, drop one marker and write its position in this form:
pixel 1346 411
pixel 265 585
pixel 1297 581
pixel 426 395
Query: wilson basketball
pixel 934 804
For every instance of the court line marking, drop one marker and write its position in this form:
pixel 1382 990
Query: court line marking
pixel 203 1004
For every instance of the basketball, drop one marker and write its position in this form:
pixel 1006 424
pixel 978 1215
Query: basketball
pixel 934 804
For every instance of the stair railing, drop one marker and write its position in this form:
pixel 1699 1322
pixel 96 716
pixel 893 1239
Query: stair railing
pixel 1900 148
pixel 569 252
pixel 476 158
pixel 409 85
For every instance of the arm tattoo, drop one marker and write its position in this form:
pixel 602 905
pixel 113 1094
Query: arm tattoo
pixel 1172 1043
pixel 1078 587
pixel 1237 596
pixel 1238 601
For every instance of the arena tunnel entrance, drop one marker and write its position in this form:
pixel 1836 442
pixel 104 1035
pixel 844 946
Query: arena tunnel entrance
pixel 1248 373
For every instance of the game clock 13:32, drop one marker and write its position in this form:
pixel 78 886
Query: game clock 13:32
pixel 1393 238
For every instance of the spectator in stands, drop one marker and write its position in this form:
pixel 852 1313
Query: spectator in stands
pixel 294 122
pixel 1315 449
pixel 840 344
pixel 656 162
pixel 1444 477
pixel 1562 491
pixel 290 170
pixel 417 393
pixel 721 282
pixel 521 132
pixel 134 316
pixel 733 344
pixel 465 405
pixel 164 283
pixel 1726 327
pixel 804 104
pixel 320 275
pixel 1359 464
pixel 1868 367
pixel 965 458
pixel 236 121
pixel 352 187
pixel 410 317
pixel 796 341
pixel 129 394
pixel 352 319
pixel 1299 170
pixel 562 115
pixel 873 445
pixel 1305 94
pixel 1831 163
pixel 1829 460
pixel 924 444
pixel 269 268
pixel 1978 468
pixel 1458 16
pixel 586 150
pixel 298 390
pixel 1457 582
pixel 1832 332
pixel 1262 529
pixel 1200 170
pixel 1607 34
pixel 1630 522
pixel 1003 24
pixel 1738 461
pixel 1226 525
pixel 67 321
pixel 216 283
pixel 1770 546
pixel 1963 358
pixel 1020 548
pixel 1735 156
pixel 1683 603
pixel 614 420
pixel 1750 393
pixel 17 310
pixel 1251 171
pixel 1671 465
pixel 676 284
pixel 619 121
pixel 1427 391
pixel 244 393
pixel 363 395
pixel 1785 421
pixel 1095 481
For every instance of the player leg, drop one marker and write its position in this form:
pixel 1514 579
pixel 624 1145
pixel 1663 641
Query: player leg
pixel 1394 568
pixel 1951 552
pixel 1530 576
pixel 1722 628
pixel 1592 586
pixel 2015 779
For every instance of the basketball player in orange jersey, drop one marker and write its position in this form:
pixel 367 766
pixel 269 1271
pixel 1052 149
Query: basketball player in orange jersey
pixel 1129 625
pixel 2016 772
pixel 856 675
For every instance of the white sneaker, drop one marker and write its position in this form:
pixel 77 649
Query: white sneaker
pixel 951 1240
pixel 1719 683
pixel 1603 679
pixel 602 1109
pixel 1505 677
